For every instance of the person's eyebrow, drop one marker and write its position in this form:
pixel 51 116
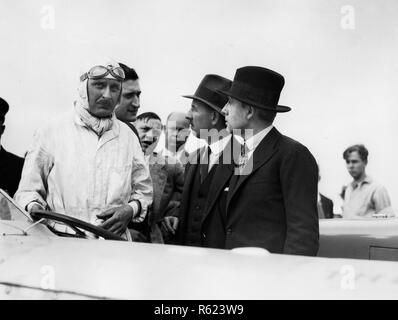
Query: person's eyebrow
pixel 99 81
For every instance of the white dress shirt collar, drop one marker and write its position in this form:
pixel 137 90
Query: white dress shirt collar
pixel 255 140
pixel 218 146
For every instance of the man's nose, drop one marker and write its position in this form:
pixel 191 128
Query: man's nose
pixel 188 115
pixel 136 102
pixel 107 92
pixel 224 110
pixel 150 135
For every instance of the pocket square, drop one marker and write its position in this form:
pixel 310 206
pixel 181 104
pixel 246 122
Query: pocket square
pixel 226 189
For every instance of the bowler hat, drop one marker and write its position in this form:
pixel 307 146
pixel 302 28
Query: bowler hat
pixel 258 87
pixel 3 107
pixel 208 93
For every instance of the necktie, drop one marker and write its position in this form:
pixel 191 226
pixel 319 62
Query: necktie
pixel 204 164
pixel 241 163
pixel 244 151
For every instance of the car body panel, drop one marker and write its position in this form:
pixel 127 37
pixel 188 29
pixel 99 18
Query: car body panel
pixel 374 239
pixel 37 264
pixel 125 270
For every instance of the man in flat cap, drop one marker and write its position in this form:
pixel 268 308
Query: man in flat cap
pixel 207 173
pixel 272 198
pixel 10 164
pixel 87 164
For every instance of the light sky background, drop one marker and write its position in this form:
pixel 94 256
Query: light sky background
pixel 340 83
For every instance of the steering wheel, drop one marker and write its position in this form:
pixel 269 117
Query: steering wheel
pixel 74 224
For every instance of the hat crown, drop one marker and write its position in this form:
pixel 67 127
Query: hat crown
pixel 261 78
pixel 207 91
pixel 259 87
pixel 213 83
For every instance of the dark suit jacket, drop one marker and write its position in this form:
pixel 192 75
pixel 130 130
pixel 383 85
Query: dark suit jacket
pixel 191 165
pixel 10 171
pixel 168 181
pixel 327 206
pixel 275 206
pixel 213 220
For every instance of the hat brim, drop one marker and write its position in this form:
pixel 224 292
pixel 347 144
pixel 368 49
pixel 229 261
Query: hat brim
pixel 212 105
pixel 277 108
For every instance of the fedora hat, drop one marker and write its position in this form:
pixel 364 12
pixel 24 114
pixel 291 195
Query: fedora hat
pixel 258 87
pixel 208 93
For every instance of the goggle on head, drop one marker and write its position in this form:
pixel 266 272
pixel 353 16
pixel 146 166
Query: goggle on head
pixel 99 72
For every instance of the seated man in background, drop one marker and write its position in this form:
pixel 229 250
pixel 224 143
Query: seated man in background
pixel 10 164
pixel 363 197
pixel 86 163
pixel 167 177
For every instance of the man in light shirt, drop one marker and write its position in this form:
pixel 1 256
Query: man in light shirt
pixel 272 200
pixel 363 197
pixel 86 163
pixel 202 214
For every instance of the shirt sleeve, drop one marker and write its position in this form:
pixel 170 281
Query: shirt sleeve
pixel 37 167
pixel 142 189
pixel 381 199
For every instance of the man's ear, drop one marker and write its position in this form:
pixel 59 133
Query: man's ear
pixel 214 117
pixel 250 112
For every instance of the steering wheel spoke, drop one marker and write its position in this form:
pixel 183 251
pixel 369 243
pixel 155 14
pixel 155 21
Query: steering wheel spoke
pixel 75 224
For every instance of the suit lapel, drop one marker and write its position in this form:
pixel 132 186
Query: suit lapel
pixel 221 177
pixel 261 155
pixel 190 168
pixel 189 177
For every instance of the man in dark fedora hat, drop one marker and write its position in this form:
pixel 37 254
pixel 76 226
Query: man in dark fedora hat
pixel 10 164
pixel 207 173
pixel 271 203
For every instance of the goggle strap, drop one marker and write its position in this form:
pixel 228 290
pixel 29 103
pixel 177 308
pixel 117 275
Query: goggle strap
pixel 83 77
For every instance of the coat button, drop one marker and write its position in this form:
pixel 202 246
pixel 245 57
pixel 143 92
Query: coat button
pixel 197 207
pixel 229 231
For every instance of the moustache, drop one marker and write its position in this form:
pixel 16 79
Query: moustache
pixel 105 103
